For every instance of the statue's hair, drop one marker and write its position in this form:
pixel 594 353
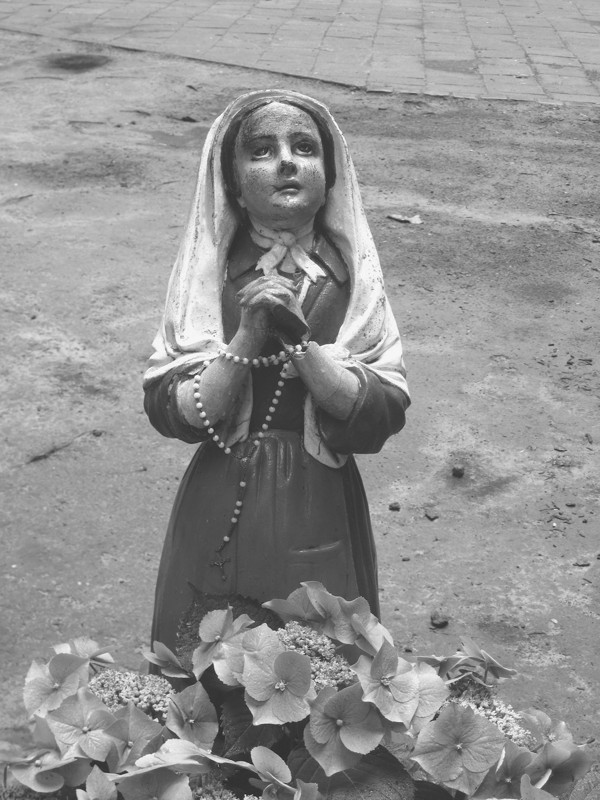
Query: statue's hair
pixel 229 139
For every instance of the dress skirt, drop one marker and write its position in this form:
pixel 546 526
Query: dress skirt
pixel 299 520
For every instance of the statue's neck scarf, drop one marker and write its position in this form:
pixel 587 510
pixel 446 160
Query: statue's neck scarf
pixel 286 250
pixel 192 328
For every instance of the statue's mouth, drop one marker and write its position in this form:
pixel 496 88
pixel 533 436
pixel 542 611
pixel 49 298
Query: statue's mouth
pixel 291 184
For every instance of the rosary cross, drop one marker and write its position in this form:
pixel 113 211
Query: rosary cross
pixel 220 563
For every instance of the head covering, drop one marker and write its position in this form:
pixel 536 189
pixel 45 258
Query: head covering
pixel 192 328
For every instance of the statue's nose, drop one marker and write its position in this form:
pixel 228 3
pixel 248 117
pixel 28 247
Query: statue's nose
pixel 287 167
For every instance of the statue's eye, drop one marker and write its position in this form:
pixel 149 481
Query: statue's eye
pixel 261 151
pixel 305 147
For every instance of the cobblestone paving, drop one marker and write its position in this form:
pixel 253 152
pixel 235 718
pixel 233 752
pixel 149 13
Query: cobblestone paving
pixel 541 50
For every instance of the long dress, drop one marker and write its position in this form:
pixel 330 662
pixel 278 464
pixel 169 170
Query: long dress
pixel 300 520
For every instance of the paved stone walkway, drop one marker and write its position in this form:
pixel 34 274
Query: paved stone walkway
pixel 541 50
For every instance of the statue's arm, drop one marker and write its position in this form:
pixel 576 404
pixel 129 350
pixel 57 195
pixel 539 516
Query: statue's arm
pixel 335 388
pixel 161 408
pixel 222 381
pixel 363 411
pixel 171 405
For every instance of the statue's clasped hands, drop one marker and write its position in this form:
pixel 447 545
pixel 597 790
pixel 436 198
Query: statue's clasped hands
pixel 270 304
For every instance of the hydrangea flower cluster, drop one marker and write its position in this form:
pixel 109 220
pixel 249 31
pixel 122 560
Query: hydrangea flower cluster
pixel 23 793
pixel 327 668
pixel 504 717
pixel 210 787
pixel 150 693
pixel 289 692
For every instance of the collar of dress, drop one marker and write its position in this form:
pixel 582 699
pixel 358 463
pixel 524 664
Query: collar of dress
pixel 286 251
pixel 246 253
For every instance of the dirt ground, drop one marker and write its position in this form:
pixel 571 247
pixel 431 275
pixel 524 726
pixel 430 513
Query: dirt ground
pixel 496 295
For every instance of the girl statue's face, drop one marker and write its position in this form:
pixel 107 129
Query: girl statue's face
pixel 279 166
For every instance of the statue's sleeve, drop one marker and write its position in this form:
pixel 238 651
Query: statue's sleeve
pixel 378 413
pixel 161 407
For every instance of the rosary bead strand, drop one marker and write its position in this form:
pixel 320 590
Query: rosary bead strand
pixel 284 357
pixel 259 361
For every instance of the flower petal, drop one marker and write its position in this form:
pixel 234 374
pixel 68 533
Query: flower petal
pixel 332 756
pixel 364 737
pixel 288 707
pixel 215 624
pixel 385 663
pixel 322 726
pixel 432 693
pixel 294 669
pixel 259 682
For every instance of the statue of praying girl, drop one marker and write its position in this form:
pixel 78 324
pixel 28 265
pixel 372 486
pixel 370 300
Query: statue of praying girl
pixel 279 354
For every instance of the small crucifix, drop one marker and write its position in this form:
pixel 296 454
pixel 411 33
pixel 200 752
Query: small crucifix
pixel 220 563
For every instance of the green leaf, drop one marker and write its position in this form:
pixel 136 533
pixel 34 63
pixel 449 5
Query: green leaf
pixel 483 662
pixel 241 735
pixel 424 790
pixel 444 665
pixel 458 748
pixel 163 652
pixel 169 664
pixel 270 766
pixel 377 776
pixel 192 716
pixel 159 785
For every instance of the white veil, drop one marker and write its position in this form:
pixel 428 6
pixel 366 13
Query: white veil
pixel 192 328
